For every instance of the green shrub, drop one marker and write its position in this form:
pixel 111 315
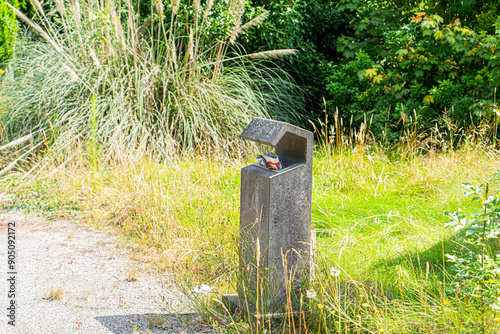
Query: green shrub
pixel 422 72
pixel 8 30
pixel 311 27
pixel 431 70
pixel 476 264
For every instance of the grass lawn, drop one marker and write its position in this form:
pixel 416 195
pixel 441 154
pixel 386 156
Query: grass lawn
pixel 379 220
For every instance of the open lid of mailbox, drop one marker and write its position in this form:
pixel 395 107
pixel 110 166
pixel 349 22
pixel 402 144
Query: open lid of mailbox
pixel 293 144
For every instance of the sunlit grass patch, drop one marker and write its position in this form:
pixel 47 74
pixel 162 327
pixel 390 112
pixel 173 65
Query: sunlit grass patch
pixel 379 222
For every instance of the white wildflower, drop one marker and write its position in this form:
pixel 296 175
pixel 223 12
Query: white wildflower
pixel 334 271
pixel 203 288
pixel 311 294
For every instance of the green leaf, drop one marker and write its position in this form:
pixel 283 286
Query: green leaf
pixel 377 79
pixel 402 52
pixel 371 72
pixel 438 35
pixel 428 99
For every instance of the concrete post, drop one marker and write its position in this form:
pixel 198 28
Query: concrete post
pixel 275 221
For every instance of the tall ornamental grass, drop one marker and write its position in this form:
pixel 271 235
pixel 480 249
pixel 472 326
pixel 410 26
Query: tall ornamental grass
pixel 103 78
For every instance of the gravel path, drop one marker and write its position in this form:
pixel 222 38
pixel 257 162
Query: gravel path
pixel 95 287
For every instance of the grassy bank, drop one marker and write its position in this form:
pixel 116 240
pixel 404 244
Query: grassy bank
pixel 378 214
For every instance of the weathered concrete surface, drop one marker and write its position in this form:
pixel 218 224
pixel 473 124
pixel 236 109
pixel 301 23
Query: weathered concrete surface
pixel 275 218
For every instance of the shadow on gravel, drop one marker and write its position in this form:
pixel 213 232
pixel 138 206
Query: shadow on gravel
pixel 155 323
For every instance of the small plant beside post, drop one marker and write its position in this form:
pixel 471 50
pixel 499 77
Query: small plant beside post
pixel 476 263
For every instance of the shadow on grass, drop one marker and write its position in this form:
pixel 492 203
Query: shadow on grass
pixel 432 262
pixel 155 323
pixel 427 263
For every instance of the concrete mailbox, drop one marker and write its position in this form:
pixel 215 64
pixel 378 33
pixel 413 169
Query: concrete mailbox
pixel 275 221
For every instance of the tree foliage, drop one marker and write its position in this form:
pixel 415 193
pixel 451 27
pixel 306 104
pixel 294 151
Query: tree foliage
pixel 383 60
pixel 8 30
pixel 401 61
pixel 378 60
pixel 430 68
pixel 311 27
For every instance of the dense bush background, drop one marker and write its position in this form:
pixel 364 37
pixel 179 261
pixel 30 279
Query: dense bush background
pixel 392 64
pixel 389 62
pixel 312 27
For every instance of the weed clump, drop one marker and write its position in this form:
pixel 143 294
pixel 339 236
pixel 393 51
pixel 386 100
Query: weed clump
pixel 54 294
